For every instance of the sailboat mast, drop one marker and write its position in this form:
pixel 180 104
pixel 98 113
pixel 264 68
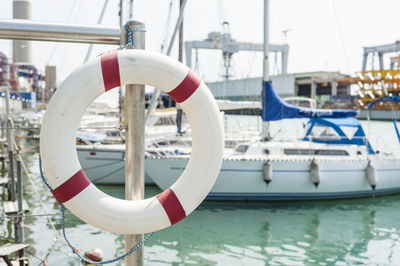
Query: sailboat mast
pixel 265 124
pixel 266 42
pixel 180 58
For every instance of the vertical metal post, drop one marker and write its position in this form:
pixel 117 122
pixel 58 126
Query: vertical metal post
pixel 120 99
pixel 22 50
pixel 130 9
pixel 134 143
pixel 10 138
pixel 180 59
pixel 266 41
pixel 265 124
pixel 18 228
pixel 20 234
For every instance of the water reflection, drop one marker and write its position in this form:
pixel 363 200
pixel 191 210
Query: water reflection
pixel 338 232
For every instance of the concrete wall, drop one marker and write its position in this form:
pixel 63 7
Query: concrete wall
pixel 250 88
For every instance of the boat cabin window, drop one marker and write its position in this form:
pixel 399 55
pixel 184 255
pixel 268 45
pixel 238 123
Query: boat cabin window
pixel 230 143
pixel 113 133
pixel 242 148
pixel 324 132
pixel 315 152
pixel 266 151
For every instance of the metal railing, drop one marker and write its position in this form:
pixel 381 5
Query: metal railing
pixel 20 29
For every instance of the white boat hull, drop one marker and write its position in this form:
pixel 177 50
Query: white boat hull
pixel 105 166
pixel 243 179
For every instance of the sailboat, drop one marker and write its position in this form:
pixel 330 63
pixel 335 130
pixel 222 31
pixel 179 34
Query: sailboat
pixel 333 160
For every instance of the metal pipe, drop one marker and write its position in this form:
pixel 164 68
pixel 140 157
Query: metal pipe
pixel 266 126
pixel 10 138
pixel 22 50
pixel 20 231
pixel 134 143
pixel 19 29
pixel 266 41
pixel 179 111
pixel 121 88
pixel 130 9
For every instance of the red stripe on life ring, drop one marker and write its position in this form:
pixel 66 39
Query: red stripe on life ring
pixel 172 206
pixel 72 187
pixel 110 70
pixel 186 88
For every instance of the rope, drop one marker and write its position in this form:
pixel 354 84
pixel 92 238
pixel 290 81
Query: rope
pixel 138 245
pixel 130 36
pixel 42 175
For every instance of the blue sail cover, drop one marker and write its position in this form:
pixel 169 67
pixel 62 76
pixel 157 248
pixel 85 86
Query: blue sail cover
pixel 337 125
pixel 273 108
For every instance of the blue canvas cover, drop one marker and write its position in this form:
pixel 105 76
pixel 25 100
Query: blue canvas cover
pixel 273 108
pixel 358 138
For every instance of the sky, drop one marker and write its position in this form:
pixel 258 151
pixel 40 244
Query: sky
pixel 324 35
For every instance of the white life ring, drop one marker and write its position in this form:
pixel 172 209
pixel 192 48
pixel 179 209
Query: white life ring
pixel 70 185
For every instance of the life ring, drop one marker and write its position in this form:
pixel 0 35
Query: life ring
pixel 60 161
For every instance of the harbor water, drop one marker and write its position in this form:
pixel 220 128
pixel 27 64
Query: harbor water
pixel 341 232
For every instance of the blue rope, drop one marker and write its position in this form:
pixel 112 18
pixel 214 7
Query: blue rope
pixel 130 36
pixel 42 175
pixel 138 245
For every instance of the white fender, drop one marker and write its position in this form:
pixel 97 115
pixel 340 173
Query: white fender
pixel 371 175
pixel 267 172
pixel 315 172
pixel 70 185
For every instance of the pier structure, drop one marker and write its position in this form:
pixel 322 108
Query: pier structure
pixel 376 80
pixel 223 41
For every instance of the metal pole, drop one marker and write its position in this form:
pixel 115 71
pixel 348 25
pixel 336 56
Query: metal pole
pixel 20 238
pixel 130 9
pixel 265 125
pixel 20 29
pixel 10 138
pixel 22 50
pixel 120 89
pixel 134 143
pixel 18 228
pixel 121 13
pixel 266 41
pixel 180 59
